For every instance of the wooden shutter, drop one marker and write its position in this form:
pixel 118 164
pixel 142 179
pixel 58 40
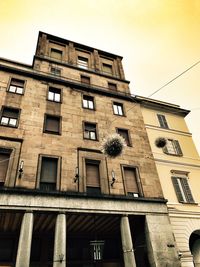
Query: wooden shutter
pixel 178 148
pixel 177 189
pixel 49 170
pixel 162 121
pixel 4 160
pixel 52 124
pixel 124 134
pixel 92 174
pixel 131 180
pixel 187 191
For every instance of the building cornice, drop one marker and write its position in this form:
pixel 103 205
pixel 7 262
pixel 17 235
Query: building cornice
pixel 177 163
pixel 149 126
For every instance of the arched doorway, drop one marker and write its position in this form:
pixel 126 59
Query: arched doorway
pixel 194 244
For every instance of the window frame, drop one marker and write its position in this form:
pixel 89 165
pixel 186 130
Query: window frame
pixel 104 64
pixel 54 73
pixel 118 104
pixel 45 123
pixel 96 131
pixel 128 133
pixel 162 121
pixel 80 64
pixel 49 87
pixel 57 51
pixel 10 84
pixel 17 120
pixel 93 101
pixel 138 180
pixel 111 86
pixel 39 169
pixel 182 188
pixel 176 147
pixel 87 77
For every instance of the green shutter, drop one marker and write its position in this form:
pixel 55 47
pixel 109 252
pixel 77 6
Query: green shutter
pixel 177 189
pixel 178 148
pixel 187 191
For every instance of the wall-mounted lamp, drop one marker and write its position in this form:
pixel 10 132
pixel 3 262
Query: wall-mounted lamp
pixel 61 258
pixel 21 168
pixel 76 175
pixel 113 178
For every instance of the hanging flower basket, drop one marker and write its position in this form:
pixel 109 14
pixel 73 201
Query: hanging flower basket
pixel 160 142
pixel 113 145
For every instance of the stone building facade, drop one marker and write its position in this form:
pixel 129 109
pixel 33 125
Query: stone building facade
pixel 178 166
pixel 62 201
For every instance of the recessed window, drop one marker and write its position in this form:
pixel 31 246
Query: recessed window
pixel 9 117
pixel 112 86
pixel 131 181
pixel 182 189
pixel 173 148
pixel 118 109
pixel 48 173
pixel 57 54
pixel 82 62
pixel 90 131
pixel 88 102
pixel 4 161
pixel 92 177
pixel 16 86
pixel 125 134
pixel 56 71
pixel 52 124
pixel 162 121
pixel 54 94
pixel 85 79
pixel 107 69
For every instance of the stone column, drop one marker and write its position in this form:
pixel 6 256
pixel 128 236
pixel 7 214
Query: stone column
pixel 59 258
pixel 127 245
pixel 25 238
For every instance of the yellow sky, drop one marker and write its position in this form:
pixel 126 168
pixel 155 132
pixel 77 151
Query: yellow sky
pixel 157 38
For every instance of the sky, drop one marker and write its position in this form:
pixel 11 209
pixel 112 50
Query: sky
pixel 158 39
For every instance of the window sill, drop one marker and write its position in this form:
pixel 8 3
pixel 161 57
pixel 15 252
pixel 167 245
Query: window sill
pixel 9 126
pixel 49 132
pixel 92 109
pixel 58 102
pixel 90 139
pixel 175 155
pixel 14 93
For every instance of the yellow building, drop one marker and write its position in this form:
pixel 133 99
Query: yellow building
pixel 178 166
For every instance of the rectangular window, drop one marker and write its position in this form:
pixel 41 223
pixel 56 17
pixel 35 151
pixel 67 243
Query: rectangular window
pixel 173 148
pixel 88 102
pixel 82 62
pixel 124 133
pixel 92 177
pixel 118 109
pixel 107 69
pixel 16 86
pixel 10 117
pixel 130 177
pixel 56 71
pixel 162 121
pixel 182 189
pixel 90 131
pixel 85 79
pixel 54 94
pixel 57 54
pixel 112 86
pixel 4 161
pixel 52 124
pixel 48 174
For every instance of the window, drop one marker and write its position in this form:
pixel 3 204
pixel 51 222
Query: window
pixel 118 109
pixel 57 54
pixel 16 86
pixel 92 177
pixel 173 148
pixel 182 189
pixel 85 79
pixel 10 117
pixel 88 101
pixel 162 120
pixel 82 62
pixel 48 173
pixel 125 134
pixel 54 94
pixel 4 161
pixel 107 68
pixel 52 124
pixel 131 184
pixel 56 71
pixel 112 86
pixel 90 131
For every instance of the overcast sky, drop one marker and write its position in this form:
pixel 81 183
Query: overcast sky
pixel 158 40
